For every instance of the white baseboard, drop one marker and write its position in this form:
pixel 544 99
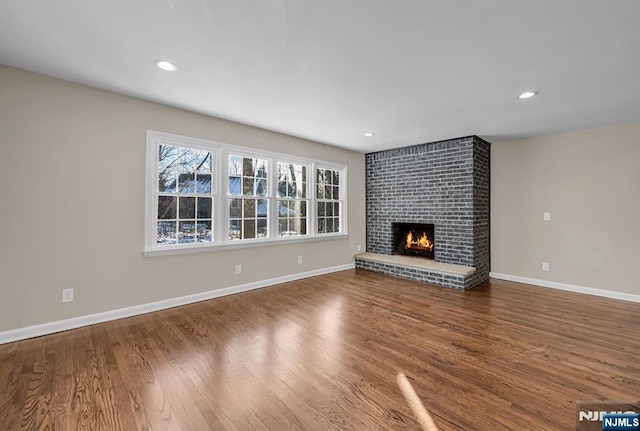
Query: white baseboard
pixel 570 287
pixel 91 319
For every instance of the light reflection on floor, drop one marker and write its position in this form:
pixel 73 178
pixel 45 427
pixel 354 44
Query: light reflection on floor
pixel 263 354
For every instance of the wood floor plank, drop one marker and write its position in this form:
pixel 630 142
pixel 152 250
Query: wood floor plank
pixel 10 373
pixel 324 353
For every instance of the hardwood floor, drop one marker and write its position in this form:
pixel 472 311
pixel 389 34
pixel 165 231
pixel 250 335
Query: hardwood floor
pixel 324 353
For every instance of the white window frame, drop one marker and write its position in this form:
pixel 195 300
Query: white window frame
pixel 308 193
pixel 220 187
pixel 151 206
pixel 227 197
pixel 342 197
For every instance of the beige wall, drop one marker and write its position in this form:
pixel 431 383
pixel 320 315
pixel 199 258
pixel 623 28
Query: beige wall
pixel 72 175
pixel 590 182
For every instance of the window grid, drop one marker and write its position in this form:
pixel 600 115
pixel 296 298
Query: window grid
pixel 329 202
pixel 184 196
pixel 248 198
pixel 292 199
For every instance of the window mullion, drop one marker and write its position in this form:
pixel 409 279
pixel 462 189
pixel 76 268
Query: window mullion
pixel 311 196
pixel 273 221
pixel 223 202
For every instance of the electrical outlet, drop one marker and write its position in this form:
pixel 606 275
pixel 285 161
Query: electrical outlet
pixel 299 260
pixel 546 216
pixel 238 269
pixel 67 295
pixel 358 247
pixel 545 266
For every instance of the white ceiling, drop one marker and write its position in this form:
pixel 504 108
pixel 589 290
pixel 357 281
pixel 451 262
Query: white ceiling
pixel 412 71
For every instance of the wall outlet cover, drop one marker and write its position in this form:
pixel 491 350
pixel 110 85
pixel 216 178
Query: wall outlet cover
pixel 67 295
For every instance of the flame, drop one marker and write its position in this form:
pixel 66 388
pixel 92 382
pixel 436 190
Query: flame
pixel 422 242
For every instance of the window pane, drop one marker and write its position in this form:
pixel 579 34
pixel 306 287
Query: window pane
pixel 320 176
pixel 262 209
pixel 187 232
pixel 329 224
pixel 295 207
pixel 329 209
pixel 263 232
pixel 249 229
pixel 235 165
pixel 261 168
pixel 247 167
pixel 283 227
pixel 204 230
pixel 203 162
pixel 283 208
pixel 336 209
pixel 302 191
pixel 304 174
pixel 203 183
pixel 249 208
pixel 261 187
pixel 294 226
pixel 321 208
pixel 328 192
pixel 235 208
pixel 235 229
pixel 327 176
pixel 234 185
pixel 187 160
pixel 187 183
pixel 282 189
pixel 303 226
pixel 167 156
pixel 321 225
pixel 167 181
pixel 204 207
pixel 282 171
pixel 336 178
pixel 247 186
pixel 166 232
pixel 167 206
pixel 187 208
pixel 336 192
pixel 336 225
pixel 320 191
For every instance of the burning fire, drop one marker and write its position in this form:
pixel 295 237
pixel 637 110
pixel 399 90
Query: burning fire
pixel 421 243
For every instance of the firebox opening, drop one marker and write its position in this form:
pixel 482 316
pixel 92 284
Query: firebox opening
pixel 414 239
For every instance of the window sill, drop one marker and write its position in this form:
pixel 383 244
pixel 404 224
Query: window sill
pixel 198 248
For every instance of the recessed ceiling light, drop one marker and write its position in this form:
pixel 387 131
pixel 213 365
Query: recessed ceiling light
pixel 527 94
pixel 166 65
pixel 368 134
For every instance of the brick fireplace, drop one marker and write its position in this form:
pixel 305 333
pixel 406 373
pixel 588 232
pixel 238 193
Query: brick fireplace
pixel 444 184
